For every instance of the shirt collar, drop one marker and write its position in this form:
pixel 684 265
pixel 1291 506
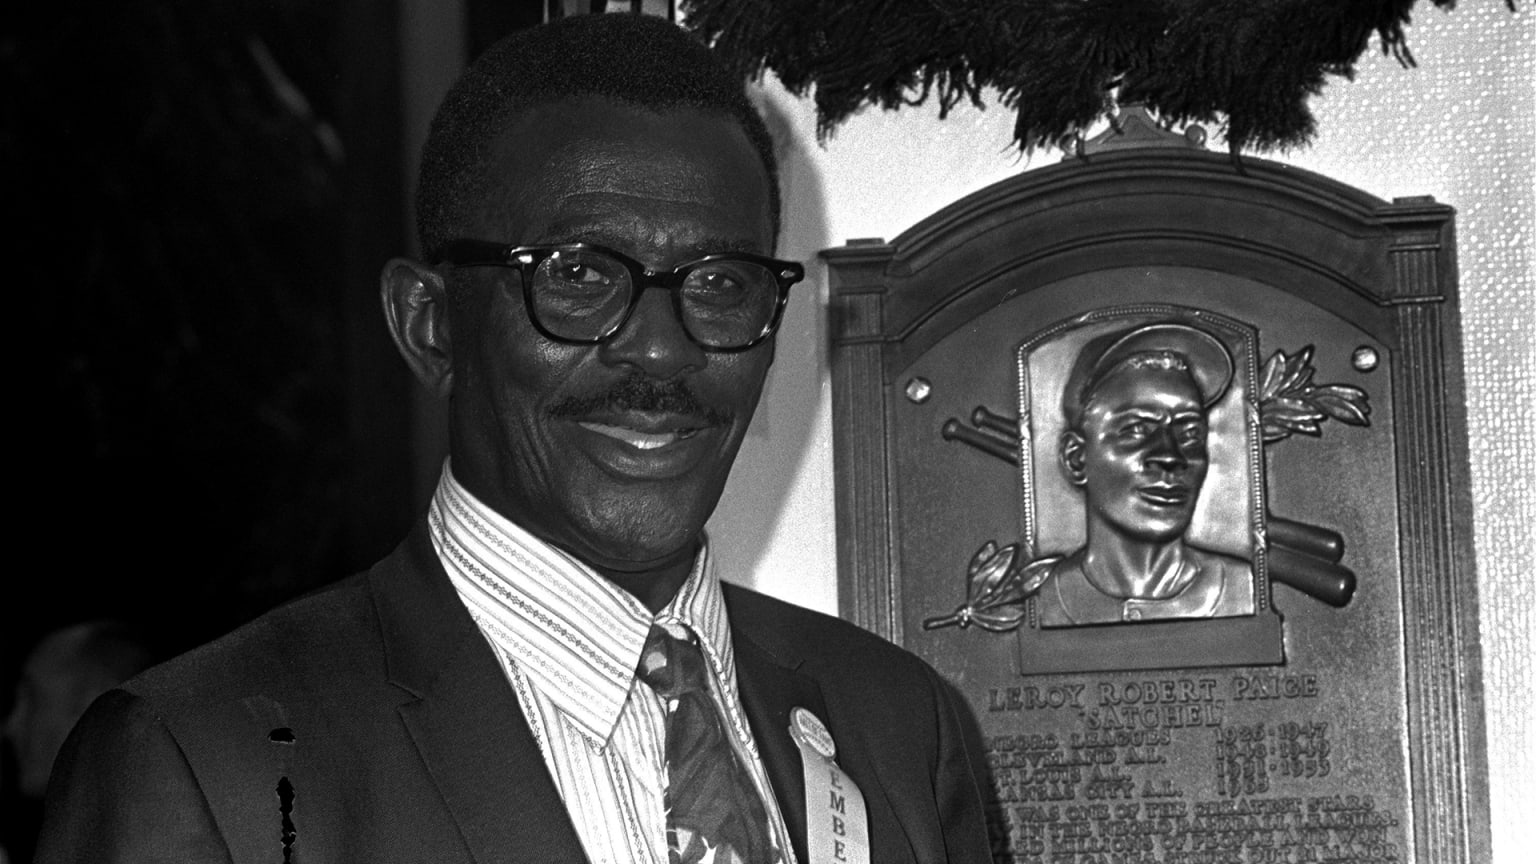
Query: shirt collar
pixel 575 634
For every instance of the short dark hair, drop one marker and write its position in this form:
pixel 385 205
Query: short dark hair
pixel 637 60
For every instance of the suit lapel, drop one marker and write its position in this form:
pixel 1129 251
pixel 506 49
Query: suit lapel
pixel 477 747
pixel 465 720
pixel 770 689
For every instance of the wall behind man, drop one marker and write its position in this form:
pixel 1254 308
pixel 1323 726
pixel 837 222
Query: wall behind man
pixel 1460 127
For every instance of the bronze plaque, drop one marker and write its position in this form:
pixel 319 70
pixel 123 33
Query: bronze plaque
pixel 1159 458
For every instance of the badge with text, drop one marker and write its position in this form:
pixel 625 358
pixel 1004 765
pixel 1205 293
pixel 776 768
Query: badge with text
pixel 836 827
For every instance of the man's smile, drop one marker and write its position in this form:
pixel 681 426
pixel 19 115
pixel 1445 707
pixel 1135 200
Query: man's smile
pixel 647 445
pixel 640 439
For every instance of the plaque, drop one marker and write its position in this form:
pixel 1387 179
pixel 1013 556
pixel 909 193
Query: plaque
pixel 1159 458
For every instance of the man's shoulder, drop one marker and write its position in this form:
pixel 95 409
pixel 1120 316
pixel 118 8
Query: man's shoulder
pixel 782 622
pixel 305 643
pixel 817 642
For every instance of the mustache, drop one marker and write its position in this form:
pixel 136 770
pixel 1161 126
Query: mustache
pixel 639 393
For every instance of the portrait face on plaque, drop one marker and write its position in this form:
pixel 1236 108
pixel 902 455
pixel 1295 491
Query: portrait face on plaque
pixel 1139 455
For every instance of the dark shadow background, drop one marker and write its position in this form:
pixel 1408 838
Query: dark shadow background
pixel 208 417
pixel 199 403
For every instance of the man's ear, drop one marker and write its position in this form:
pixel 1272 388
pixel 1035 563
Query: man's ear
pixel 416 307
pixel 1072 457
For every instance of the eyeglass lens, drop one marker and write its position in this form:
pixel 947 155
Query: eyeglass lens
pixel 583 295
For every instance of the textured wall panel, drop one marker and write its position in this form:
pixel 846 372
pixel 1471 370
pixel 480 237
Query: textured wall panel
pixel 1461 127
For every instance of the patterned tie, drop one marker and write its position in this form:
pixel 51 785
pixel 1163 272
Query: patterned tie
pixel 714 813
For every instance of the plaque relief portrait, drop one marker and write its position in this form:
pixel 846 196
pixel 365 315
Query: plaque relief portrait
pixel 1139 448
pixel 1134 444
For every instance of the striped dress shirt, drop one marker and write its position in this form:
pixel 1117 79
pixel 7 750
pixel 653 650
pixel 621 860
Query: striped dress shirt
pixel 569 642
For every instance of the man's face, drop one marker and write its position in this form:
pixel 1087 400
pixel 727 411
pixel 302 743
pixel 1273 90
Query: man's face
pixel 616 452
pixel 1143 456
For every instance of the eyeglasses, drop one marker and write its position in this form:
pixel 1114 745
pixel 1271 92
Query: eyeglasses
pixel 582 293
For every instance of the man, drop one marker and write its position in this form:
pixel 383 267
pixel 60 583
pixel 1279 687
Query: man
pixel 1136 404
pixel 475 696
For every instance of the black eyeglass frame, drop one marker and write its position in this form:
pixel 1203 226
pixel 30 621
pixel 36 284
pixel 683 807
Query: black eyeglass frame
pixel 526 259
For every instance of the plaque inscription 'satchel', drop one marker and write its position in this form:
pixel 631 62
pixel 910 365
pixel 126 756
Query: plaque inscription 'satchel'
pixel 1154 456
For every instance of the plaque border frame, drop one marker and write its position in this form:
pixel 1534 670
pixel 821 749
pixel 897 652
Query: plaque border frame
pixel 1389 267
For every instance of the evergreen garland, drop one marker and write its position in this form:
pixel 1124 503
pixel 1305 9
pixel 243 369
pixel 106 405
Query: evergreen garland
pixel 1247 65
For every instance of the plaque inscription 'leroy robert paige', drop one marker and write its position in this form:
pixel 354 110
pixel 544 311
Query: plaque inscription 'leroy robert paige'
pixel 1158 461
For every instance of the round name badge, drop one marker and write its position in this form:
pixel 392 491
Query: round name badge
pixel 809 730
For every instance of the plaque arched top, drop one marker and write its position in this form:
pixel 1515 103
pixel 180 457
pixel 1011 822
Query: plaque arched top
pixel 1327 242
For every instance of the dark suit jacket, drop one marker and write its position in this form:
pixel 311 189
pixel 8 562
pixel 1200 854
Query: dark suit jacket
pixel 370 722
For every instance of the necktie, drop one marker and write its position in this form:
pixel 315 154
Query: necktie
pixel 714 813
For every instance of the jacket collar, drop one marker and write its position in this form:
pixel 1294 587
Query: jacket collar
pixel 463 716
pixel 471 735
